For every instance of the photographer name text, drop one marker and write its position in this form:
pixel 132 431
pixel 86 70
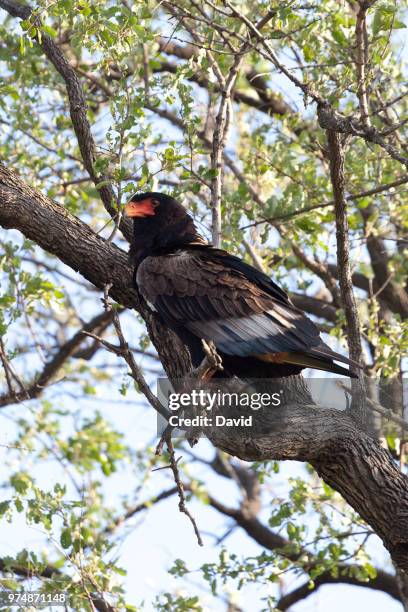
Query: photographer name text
pixel 207 421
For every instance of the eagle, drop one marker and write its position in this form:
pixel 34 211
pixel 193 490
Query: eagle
pixel 205 293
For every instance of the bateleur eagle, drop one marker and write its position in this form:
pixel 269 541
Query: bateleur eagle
pixel 206 293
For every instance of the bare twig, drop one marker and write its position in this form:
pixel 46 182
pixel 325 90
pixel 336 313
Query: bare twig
pixel 6 368
pixel 180 490
pixel 139 508
pixel 68 349
pixel 11 375
pixel 124 351
pixel 350 197
pixel 361 61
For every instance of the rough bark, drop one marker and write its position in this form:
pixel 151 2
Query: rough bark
pixel 348 459
pixel 75 244
pixel 336 159
pixel 389 291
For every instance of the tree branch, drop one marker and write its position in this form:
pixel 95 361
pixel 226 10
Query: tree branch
pixel 386 289
pixel 96 325
pixel 395 297
pixel 361 60
pixel 120 520
pixel 382 582
pixel 330 440
pixel 56 230
pixel 331 120
pixel 49 572
pixel 350 197
pixel 336 157
pixel 270 540
pixel 267 102
pixel 328 117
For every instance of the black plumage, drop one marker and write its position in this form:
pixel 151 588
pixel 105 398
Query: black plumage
pixel 206 293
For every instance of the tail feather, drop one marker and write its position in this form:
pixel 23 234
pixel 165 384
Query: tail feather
pixel 322 350
pixel 319 363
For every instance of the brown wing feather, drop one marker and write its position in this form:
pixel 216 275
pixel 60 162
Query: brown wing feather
pixel 221 304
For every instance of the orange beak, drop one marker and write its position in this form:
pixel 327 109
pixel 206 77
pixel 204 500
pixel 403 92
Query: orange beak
pixel 144 208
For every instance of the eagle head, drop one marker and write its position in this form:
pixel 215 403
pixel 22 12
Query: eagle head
pixel 160 224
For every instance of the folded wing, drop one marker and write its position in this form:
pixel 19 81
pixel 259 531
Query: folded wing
pixel 218 297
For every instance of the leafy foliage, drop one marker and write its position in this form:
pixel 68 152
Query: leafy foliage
pixel 151 78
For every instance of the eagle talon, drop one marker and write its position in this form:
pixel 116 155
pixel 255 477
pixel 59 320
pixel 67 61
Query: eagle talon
pixel 211 363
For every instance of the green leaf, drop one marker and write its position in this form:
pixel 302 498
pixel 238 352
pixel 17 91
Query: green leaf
pixel 103 183
pixel 107 36
pixel 65 538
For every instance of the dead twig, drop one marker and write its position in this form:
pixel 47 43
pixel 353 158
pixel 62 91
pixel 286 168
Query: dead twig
pixel 6 368
pixel 180 490
pixel 124 351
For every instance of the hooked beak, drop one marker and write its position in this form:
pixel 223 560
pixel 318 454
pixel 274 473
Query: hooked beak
pixel 140 209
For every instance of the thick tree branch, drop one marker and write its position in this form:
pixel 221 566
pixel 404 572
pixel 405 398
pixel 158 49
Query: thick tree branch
pixel 336 157
pixel 382 582
pixel 270 540
pixel 56 230
pixel 342 454
pixel 387 290
pixel 315 306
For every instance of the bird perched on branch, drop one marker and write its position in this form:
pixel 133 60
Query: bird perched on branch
pixel 205 293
